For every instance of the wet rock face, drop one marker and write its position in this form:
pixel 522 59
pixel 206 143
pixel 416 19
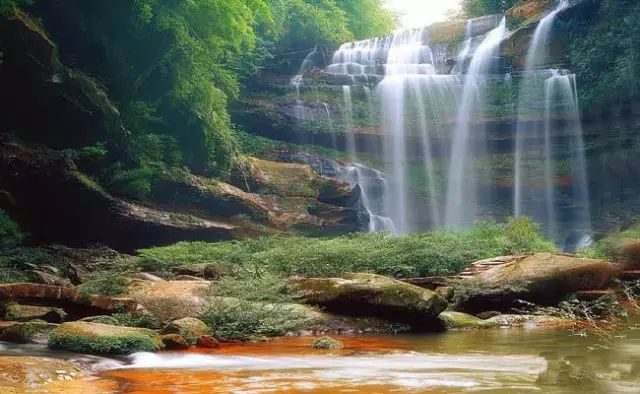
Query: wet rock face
pixel 78 211
pixel 369 295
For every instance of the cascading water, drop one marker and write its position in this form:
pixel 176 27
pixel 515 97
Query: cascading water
pixel 462 193
pixel 537 192
pixel 372 186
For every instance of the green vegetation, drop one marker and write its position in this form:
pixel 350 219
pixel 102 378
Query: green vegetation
pixel 130 320
pixel 604 51
pixel 104 283
pixel 607 247
pixel 431 253
pixel 246 320
pixel 475 8
pixel 10 233
pixel 327 343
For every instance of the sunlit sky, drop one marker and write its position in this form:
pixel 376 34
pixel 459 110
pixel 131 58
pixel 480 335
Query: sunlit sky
pixel 418 13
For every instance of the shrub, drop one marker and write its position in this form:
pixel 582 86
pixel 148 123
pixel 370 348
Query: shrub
pixel 104 284
pixel 9 231
pixel 241 320
pixel 523 235
pixel 131 320
pixel 606 247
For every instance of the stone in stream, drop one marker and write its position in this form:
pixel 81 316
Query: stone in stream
pixel 458 320
pixel 207 342
pixel 541 278
pixel 174 342
pixel 369 295
pixel 189 328
pixel 327 343
pixel 99 338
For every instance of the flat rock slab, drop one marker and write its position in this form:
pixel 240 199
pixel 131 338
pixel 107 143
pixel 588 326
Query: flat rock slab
pixel 67 297
pixel 173 299
pixel 368 295
pixel 20 374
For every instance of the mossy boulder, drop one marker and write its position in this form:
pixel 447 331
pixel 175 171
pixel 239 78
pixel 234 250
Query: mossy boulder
pixel 18 312
pixel 99 338
pixel 189 328
pixel 370 295
pixel 327 343
pixel 35 331
pixel 457 320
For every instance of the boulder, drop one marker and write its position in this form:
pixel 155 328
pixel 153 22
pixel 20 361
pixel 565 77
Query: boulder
pixel 34 331
pixel 368 294
pixel 28 374
pixel 189 328
pixel 452 320
pixel 171 300
pixel 17 312
pixel 446 292
pixel 174 342
pixel 78 274
pixel 207 342
pixel 541 278
pixel 327 343
pixel 627 254
pixel 83 337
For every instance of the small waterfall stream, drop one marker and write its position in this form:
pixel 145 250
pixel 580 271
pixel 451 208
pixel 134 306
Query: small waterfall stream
pixel 536 180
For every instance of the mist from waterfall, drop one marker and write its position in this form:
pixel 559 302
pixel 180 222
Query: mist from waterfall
pixel 539 190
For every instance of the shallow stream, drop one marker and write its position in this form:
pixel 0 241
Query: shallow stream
pixel 487 361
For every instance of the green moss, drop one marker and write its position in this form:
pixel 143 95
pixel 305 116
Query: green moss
pixel 188 328
pixel 103 339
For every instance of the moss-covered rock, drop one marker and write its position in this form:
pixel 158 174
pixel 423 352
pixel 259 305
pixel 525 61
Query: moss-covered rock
pixel 99 338
pixel 368 294
pixel 457 320
pixel 189 328
pixel 17 312
pixel 327 343
pixel 35 331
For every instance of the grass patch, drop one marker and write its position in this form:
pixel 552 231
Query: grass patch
pixel 431 253
pixel 105 284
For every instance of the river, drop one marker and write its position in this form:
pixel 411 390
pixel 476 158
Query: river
pixel 482 361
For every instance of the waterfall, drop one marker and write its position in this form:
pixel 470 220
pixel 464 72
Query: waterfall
pixel 462 193
pixel 372 185
pixel 536 181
